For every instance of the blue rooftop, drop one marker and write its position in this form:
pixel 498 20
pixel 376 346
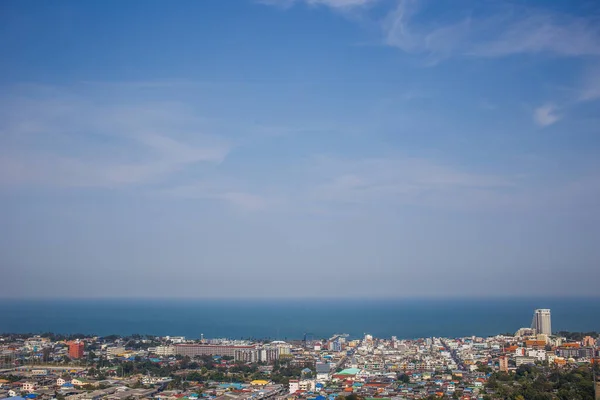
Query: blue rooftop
pixel 231 385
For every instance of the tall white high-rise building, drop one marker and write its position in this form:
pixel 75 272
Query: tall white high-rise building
pixel 541 321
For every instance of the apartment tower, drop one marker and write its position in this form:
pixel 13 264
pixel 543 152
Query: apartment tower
pixel 541 321
pixel 75 349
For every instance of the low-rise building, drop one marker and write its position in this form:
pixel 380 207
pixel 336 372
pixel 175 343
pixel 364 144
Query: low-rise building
pixel 115 351
pixel 28 387
pixel 163 351
pixel 192 350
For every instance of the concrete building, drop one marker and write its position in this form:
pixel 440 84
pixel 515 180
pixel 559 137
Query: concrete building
pixel 163 350
pixel 294 385
pixel 282 347
pixel 247 355
pixel 503 363
pixel 255 355
pixel 542 322
pixel 335 345
pixel 323 371
pixel 524 332
pixel 192 350
pixel 76 349
pixel 175 339
pixel 115 351
pixel 589 341
pixel 538 354
pixel 268 355
pixel 28 386
pixel 524 361
pixel 306 385
pixel 62 381
pixel 39 372
pixel 576 352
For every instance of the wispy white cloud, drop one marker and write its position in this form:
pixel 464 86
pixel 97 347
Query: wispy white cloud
pixel 504 30
pixel 557 34
pixel 382 184
pixel 71 142
pixel 330 184
pixel 337 4
pixel 378 182
pixel 221 190
pixel 401 31
pixel 341 3
pixel 587 90
pixel 336 185
pixel 67 141
pixel 507 31
pixel 546 115
pixel 489 30
pixel 514 31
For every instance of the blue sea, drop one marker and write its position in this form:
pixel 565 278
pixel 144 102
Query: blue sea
pixel 291 319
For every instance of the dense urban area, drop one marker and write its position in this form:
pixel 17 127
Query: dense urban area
pixel 532 363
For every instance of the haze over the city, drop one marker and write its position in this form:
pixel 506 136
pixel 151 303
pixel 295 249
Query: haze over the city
pixel 307 148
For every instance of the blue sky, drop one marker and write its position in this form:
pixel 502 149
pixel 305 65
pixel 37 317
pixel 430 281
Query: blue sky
pixel 301 148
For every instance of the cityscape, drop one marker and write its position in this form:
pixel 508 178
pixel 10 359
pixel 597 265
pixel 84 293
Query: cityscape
pixel 299 199
pixel 52 366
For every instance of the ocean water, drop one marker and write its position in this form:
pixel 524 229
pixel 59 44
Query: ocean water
pixel 291 319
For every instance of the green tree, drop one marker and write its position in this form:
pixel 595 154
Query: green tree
pixel 404 378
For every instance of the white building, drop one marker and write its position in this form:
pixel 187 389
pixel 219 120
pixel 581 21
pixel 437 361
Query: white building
pixel 282 347
pixel 28 387
pixel 259 354
pixel 39 372
pixel 307 385
pixel 524 360
pixel 151 380
pixel 539 355
pixel 542 322
pixel 522 332
pixel 294 385
pixel 176 339
pixel 163 350
pixel 323 371
pixel 114 351
pixel 61 381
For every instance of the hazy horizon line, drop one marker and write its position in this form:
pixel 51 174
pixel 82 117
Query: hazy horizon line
pixel 316 298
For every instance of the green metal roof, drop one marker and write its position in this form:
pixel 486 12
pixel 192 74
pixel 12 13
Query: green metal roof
pixel 349 371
